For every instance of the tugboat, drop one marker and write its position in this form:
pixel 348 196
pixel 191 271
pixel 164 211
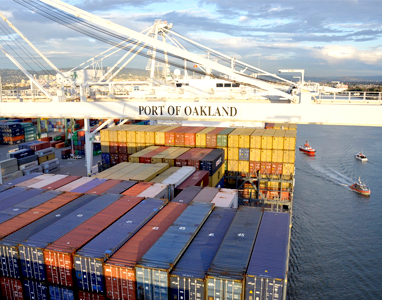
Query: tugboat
pixel 360 156
pixel 360 188
pixel 307 149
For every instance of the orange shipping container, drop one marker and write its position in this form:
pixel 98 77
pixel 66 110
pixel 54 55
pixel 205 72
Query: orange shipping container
pixel 119 270
pixel 211 137
pixel 59 255
pixel 190 136
pixel 36 213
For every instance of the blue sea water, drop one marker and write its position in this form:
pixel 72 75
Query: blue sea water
pixel 336 245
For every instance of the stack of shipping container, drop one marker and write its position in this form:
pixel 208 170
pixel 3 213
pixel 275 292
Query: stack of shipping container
pixel 258 162
pixel 71 237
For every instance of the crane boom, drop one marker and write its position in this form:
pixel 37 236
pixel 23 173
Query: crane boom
pixel 233 75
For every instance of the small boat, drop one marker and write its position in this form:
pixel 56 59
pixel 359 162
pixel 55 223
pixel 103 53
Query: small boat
pixel 360 188
pixel 307 149
pixel 360 156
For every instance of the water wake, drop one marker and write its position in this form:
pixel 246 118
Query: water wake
pixel 326 172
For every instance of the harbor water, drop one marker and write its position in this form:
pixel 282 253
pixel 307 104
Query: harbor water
pixel 336 245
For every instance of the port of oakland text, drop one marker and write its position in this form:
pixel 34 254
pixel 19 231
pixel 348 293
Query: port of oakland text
pixel 189 111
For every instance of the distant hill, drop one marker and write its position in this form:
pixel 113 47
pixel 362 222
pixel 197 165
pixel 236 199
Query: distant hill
pixel 13 76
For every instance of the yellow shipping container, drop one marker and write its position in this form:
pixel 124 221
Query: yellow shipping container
pixel 292 127
pixel 113 134
pixel 131 148
pixel 150 173
pixel 285 185
pixel 274 185
pixel 113 169
pixel 122 136
pixel 244 137
pixel 159 135
pixel 266 155
pixel 285 125
pixel 217 176
pixel 244 166
pixel 233 138
pixel 233 153
pixel 277 139
pixel 289 141
pixel 170 158
pixel 277 155
pixel 104 137
pixel 159 158
pixel 201 137
pixel 289 156
pixel 256 138
pixel 233 165
pixel 288 169
pixel 134 158
pixel 255 154
pixel 266 139
pixel 120 174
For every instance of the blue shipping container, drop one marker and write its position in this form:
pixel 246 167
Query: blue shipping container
pixel 225 278
pixel 88 185
pixel 89 260
pixel 266 275
pixel 31 251
pixel 121 187
pixel 187 277
pixel 18 198
pixel 35 290
pixel 60 293
pixel 152 271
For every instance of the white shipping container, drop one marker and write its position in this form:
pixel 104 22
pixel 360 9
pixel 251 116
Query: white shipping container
pixel 157 190
pixel 9 177
pixel 47 181
pixel 34 169
pixel 28 165
pixel 74 184
pixel 226 198
pixel 50 164
pixel 180 176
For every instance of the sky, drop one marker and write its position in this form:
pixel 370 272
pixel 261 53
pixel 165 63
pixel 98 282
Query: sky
pixel 325 38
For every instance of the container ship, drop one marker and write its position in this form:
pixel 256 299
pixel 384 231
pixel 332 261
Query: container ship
pixel 188 212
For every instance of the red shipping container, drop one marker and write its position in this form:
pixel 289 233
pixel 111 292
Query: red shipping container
pixel 60 183
pixel 137 188
pixel 36 213
pixel 83 295
pixel 194 161
pixel 40 146
pixel 254 167
pixel 269 125
pixel 123 157
pixel 122 148
pixel 46 139
pixel 211 137
pixel 114 147
pixel 146 158
pixel 277 168
pixel 266 168
pixel 190 136
pixel 114 159
pixel 182 160
pixel 198 178
pixel 11 289
pixel 180 136
pixel 170 135
pixel 119 270
pixel 59 255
